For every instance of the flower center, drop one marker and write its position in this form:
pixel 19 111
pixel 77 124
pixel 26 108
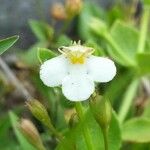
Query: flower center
pixel 76 53
pixel 77 57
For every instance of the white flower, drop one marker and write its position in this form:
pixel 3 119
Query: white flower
pixel 76 70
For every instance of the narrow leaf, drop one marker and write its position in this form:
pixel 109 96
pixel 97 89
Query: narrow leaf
pixel 7 43
pixel 25 145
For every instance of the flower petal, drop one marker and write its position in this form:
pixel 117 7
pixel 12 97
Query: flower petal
pixel 101 69
pixel 53 71
pixel 77 87
pixel 77 69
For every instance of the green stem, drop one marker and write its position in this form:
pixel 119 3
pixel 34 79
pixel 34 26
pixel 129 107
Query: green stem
pixel 105 135
pixel 111 41
pixel 79 109
pixel 55 132
pixel 86 133
pixel 127 100
pixel 143 31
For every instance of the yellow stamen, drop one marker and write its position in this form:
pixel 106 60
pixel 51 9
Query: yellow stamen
pixel 76 53
pixel 77 60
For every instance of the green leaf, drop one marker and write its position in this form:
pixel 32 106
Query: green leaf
pixel 114 135
pixel 98 26
pixel 136 130
pixel 140 146
pixel 13 145
pixel 98 50
pixel 42 30
pixel 7 43
pixel 45 54
pixel 126 38
pixel 114 90
pixel 25 145
pixel 147 2
pixel 115 13
pixel 127 100
pixel 76 139
pixel 89 11
pixel 63 40
pixel 122 40
pixel 146 111
pixel 68 142
pixel 30 56
pixel 4 126
pixel 143 60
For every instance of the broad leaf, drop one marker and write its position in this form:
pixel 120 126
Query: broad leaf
pixel 146 111
pixel 98 50
pixel 45 54
pixel 7 43
pixel 63 40
pixel 143 60
pixel 114 90
pixel 75 138
pixel 42 30
pixel 4 126
pixel 136 130
pixel 89 11
pixel 126 39
pixel 146 2
pixel 29 57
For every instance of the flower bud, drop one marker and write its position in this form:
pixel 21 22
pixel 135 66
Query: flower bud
pixel 73 7
pixel 101 109
pixel 30 132
pixel 39 112
pixel 58 11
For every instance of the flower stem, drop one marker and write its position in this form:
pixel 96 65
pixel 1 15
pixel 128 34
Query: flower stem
pixel 127 100
pixel 55 132
pixel 105 135
pixel 143 30
pixel 86 133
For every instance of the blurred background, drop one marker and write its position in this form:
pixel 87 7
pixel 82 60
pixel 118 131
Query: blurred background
pixel 15 15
